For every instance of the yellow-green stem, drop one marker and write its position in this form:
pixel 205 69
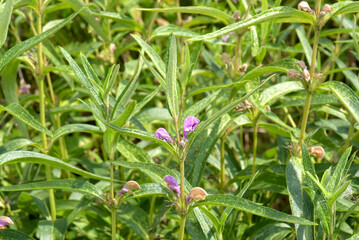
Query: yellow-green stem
pixel 112 203
pixel 152 209
pixel 183 202
pixel 255 140
pixel 223 166
pixel 41 86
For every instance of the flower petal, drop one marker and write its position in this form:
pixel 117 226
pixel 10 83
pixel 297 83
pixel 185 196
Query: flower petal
pixel 4 220
pixel 189 125
pixel 172 183
pixel 162 134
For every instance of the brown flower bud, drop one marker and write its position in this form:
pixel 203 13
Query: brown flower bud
pixel 243 68
pixel 236 16
pixel 301 64
pixel 293 74
pixel 327 8
pixel 317 151
pixel 303 5
pixel 197 193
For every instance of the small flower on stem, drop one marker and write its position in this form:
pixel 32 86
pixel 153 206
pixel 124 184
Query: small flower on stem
pixel 162 134
pixel 327 8
pixel 303 5
pixel 197 193
pixel 189 125
pixel 317 151
pixel 128 186
pixel 172 184
pixel 4 220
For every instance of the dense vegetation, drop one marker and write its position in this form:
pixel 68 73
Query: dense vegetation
pixel 179 119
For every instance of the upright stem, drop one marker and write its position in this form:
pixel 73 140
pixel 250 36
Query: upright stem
pixel 255 140
pixel 150 220
pixel 41 86
pixel 311 83
pixel 183 202
pixel 112 203
pixel 223 165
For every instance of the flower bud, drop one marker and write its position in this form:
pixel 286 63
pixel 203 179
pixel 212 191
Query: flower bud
pixel 301 64
pixel 189 124
pixel 197 193
pixel 112 48
pixel 236 16
pixel 128 186
pixel 172 184
pixel 293 74
pixel 327 8
pixel 306 75
pixel 317 151
pixel 162 134
pixel 4 220
pixel 243 68
pixel 303 5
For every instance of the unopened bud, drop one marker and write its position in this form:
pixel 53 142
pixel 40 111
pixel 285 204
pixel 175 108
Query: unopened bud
pixel 293 74
pixel 236 16
pixel 243 68
pixel 197 193
pixel 327 8
pixel 301 64
pixel 317 151
pixel 112 48
pixel 303 5
pixel 268 108
pixel 306 75
pixel 226 60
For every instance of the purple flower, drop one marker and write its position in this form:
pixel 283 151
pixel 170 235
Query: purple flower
pixel 128 186
pixel 162 134
pixel 172 184
pixel 189 125
pixel 4 220
pixel 226 37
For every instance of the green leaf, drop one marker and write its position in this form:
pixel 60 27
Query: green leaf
pixel 272 231
pixel 132 152
pixel 157 61
pixel 109 82
pixel 147 190
pixel 135 218
pixel 339 172
pixel 342 8
pixel 33 157
pixel 251 207
pixel 199 106
pixel 86 14
pixel 118 17
pixel 73 128
pixel 305 44
pixel 8 83
pixel 22 114
pixel 274 92
pixel 171 79
pixel 11 234
pixel 63 184
pixel 90 72
pixel 278 14
pixel 16 144
pixel 219 86
pixel 5 16
pixel 83 79
pixel 346 96
pixel 29 43
pixel 208 11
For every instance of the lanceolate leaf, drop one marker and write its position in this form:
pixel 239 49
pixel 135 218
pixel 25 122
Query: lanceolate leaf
pixel 29 43
pixel 275 91
pixel 251 207
pixel 342 8
pixel 63 184
pixel 72 128
pixel 208 11
pixel 33 157
pixel 278 14
pixel 5 16
pixel 12 234
pixel 346 96
pixel 171 79
pixel 21 113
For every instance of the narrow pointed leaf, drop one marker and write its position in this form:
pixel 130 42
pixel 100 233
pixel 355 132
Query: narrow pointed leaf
pixel 171 79
pixel 5 16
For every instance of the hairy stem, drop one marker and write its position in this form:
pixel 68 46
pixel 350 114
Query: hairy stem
pixel 112 204
pixel 41 83
pixel 255 140
pixel 223 167
pixel 183 201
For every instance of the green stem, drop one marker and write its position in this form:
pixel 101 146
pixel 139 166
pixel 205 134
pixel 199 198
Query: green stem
pixel 223 166
pixel 183 202
pixel 152 209
pixel 112 203
pixel 255 140
pixel 42 110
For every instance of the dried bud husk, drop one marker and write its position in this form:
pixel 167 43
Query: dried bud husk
pixel 293 74
pixel 303 5
pixel 301 64
pixel 236 16
pixel 243 68
pixel 197 193
pixel 318 75
pixel 112 48
pixel 317 151
pixel 132 185
pixel 268 108
pixel 327 8
pixel 226 60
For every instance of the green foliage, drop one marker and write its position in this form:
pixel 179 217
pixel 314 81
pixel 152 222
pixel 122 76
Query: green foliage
pixel 85 85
